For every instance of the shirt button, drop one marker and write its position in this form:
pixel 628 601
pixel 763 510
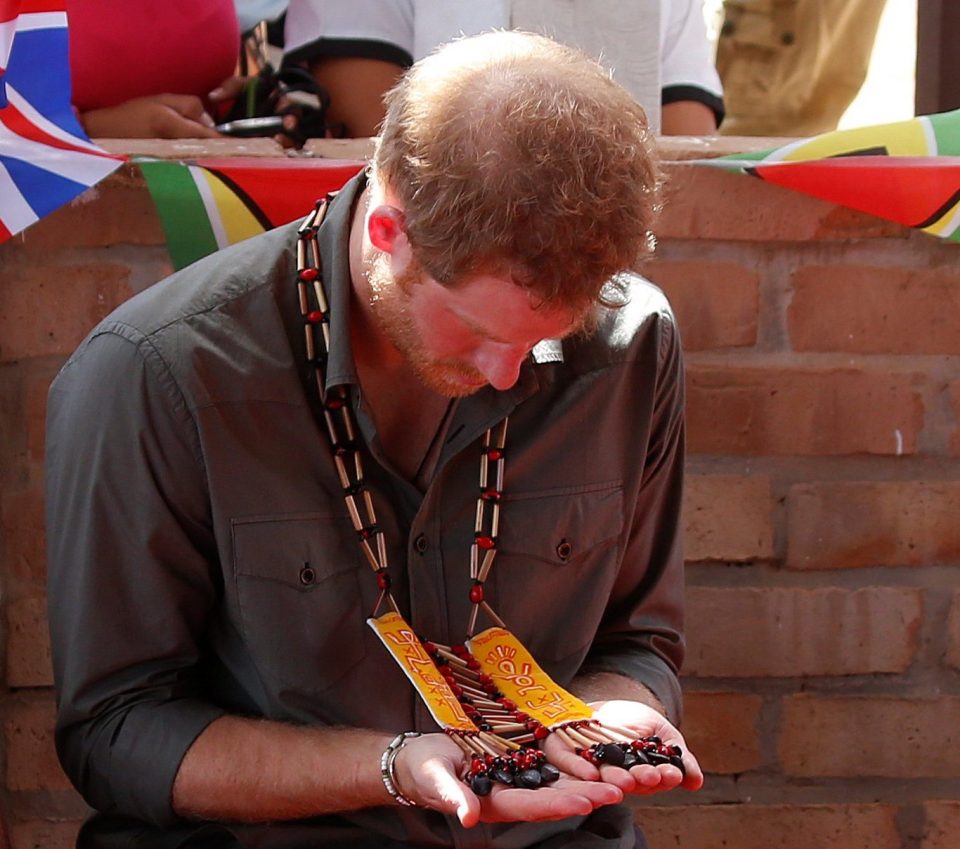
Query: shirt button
pixel 420 544
pixel 564 549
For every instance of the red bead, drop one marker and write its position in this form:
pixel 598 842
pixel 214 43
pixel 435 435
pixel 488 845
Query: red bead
pixel 541 733
pixel 494 453
pixel 315 316
pixel 476 593
pixel 308 275
pixel 505 702
pixel 485 542
pixel 490 494
pixel 429 647
pixel 472 663
pixel 383 581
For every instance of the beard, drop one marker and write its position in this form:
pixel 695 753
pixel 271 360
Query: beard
pixel 389 297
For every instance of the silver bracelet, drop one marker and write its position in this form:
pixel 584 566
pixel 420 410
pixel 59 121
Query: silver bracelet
pixel 387 767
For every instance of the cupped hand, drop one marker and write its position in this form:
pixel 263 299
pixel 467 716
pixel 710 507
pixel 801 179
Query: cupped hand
pixel 643 779
pixel 160 116
pixel 428 770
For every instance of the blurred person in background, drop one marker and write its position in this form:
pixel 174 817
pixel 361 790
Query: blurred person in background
pixel 143 70
pixel 657 49
pixel 792 67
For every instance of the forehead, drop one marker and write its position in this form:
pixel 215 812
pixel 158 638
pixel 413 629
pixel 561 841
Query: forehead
pixel 497 308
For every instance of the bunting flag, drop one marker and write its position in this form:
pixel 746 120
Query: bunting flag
pixel 46 159
pixel 907 172
pixel 212 203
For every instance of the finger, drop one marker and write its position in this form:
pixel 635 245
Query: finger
pixel 184 104
pixel 693 774
pixel 647 777
pixel 229 89
pixel 508 806
pixel 656 779
pixel 618 777
pixel 599 793
pixel 176 126
pixel 552 803
pixel 564 759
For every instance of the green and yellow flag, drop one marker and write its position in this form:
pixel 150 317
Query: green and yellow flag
pixel 907 172
pixel 209 204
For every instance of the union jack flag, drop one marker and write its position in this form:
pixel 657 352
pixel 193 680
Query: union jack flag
pixel 46 159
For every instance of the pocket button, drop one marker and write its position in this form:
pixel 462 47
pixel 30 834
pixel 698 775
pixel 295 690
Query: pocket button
pixel 307 575
pixel 420 544
pixel 564 549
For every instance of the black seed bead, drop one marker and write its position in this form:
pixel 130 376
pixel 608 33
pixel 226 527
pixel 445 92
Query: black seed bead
pixel 642 757
pixel 677 761
pixel 657 759
pixel 609 753
pixel 630 759
pixel 481 785
pixel 528 778
pixel 504 776
pixel 549 773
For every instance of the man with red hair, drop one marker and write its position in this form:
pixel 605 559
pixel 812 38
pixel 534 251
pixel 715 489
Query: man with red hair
pixel 232 450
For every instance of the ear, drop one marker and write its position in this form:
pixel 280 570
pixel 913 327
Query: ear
pixel 385 228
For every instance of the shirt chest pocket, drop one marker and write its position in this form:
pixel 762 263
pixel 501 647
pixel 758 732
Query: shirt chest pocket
pixel 558 557
pixel 299 601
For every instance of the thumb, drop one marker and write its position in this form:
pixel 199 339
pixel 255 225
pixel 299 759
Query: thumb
pixel 452 795
pixel 230 88
pixel 188 106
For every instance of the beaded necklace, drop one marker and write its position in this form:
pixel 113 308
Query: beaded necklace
pixel 488 694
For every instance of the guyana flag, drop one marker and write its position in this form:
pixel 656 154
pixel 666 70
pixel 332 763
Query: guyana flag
pixel 907 172
pixel 209 204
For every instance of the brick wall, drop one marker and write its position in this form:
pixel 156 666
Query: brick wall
pixel 822 507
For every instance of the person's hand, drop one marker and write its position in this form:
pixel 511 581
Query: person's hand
pixel 160 116
pixel 642 779
pixel 428 771
pixel 223 97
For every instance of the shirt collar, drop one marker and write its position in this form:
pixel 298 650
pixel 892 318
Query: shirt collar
pixel 334 242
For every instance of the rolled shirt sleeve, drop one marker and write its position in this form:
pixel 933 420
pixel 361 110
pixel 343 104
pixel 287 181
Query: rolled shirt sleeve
pixel 130 580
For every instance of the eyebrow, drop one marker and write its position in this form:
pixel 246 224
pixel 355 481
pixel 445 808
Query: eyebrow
pixel 476 328
pixel 572 328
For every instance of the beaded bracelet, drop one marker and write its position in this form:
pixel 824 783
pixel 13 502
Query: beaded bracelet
pixel 387 768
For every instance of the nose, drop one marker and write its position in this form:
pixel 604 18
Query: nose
pixel 499 364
